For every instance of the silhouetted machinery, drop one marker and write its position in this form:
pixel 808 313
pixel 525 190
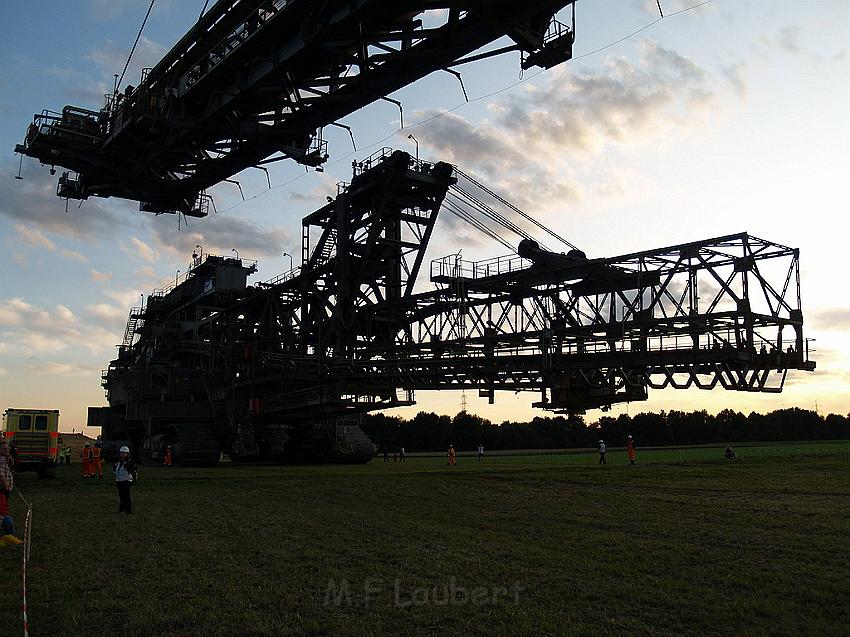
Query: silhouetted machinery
pixel 285 367
pixel 255 81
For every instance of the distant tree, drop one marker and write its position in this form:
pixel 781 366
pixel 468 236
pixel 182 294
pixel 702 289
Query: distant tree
pixel 650 429
pixel 837 427
pixel 731 425
pixel 428 431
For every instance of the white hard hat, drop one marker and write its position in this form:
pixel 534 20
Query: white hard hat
pixel 600 441
pixel 124 449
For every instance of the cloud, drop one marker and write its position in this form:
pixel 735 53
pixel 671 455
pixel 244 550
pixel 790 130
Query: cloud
pixel 832 319
pixel 527 146
pixel 58 368
pixel 37 239
pixel 64 314
pixel 34 237
pixel 14 312
pixel 54 368
pixel 140 249
pixel 624 103
pixel 77 86
pixel 111 57
pixel 33 203
pixel 31 330
pixel 219 234
pixel 73 255
pixel 108 315
pixel 146 272
pixel 316 194
pixel 733 74
pixel 788 37
pixel 101 277
pixel 124 298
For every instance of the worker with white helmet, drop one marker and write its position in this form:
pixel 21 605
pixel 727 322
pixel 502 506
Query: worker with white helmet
pixel 125 473
pixel 602 452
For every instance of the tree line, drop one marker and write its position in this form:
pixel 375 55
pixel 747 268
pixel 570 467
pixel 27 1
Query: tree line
pixel 428 431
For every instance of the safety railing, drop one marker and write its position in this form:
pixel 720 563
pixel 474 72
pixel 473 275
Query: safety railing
pixel 453 267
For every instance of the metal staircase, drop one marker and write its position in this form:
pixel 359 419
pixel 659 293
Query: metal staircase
pixel 134 322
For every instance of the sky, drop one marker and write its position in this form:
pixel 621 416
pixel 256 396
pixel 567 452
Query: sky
pixel 728 117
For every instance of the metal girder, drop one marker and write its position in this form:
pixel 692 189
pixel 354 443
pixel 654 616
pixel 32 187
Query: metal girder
pixel 258 79
pixel 344 333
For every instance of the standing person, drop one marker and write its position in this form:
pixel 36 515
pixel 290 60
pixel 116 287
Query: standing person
pixel 66 453
pixel 125 473
pixel 86 455
pixel 480 452
pixel 602 453
pixel 451 456
pixel 13 456
pixel 630 449
pixel 97 459
pixel 7 483
pixel 401 454
pixel 386 454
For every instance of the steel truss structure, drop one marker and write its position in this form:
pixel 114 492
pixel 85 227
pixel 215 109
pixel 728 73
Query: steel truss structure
pixel 255 81
pixel 286 366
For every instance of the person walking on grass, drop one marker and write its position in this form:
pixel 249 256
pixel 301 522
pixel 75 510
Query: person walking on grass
pixel 630 449
pixel 450 456
pixel 97 459
pixel 602 453
pixel 401 455
pixel 87 456
pixel 125 474
pixel 480 452
pixel 7 483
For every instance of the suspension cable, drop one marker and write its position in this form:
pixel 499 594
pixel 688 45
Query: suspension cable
pixel 467 217
pixel 514 208
pixel 489 212
pixel 138 37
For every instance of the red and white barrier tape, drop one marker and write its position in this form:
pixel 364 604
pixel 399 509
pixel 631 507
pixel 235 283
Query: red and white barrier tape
pixel 26 559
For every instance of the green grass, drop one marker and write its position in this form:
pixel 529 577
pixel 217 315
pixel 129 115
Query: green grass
pixel 683 542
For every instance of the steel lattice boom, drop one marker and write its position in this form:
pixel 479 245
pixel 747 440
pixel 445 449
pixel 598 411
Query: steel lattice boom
pixel 285 367
pixel 255 81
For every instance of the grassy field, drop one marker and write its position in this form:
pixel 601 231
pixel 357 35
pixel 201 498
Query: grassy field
pixel 683 542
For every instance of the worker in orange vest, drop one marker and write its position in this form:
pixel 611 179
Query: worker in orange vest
pixel 97 460
pixel 86 455
pixel 451 455
pixel 630 449
pixel 166 460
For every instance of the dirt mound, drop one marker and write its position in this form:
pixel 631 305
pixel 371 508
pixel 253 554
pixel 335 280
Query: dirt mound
pixel 76 442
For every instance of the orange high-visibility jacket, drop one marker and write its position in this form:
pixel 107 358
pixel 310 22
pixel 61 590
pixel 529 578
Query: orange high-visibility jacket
pixel 96 453
pixel 86 453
